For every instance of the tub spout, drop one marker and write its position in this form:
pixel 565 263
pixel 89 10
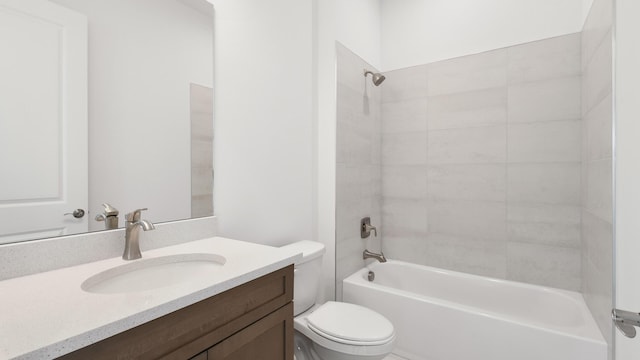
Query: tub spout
pixel 371 255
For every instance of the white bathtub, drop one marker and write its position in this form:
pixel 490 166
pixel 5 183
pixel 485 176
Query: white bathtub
pixel 445 315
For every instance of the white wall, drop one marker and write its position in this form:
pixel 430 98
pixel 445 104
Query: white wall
pixel 421 31
pixel 263 111
pixel 142 57
pixel 275 116
pixel 356 24
pixel 627 172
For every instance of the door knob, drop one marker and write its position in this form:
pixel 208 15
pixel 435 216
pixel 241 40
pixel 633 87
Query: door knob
pixel 77 213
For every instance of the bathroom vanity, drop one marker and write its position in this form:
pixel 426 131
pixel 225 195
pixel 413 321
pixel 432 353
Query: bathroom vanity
pixel 251 321
pixel 219 299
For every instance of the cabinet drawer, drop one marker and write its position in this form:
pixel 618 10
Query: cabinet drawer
pixel 189 331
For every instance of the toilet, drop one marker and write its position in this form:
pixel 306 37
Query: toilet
pixel 333 330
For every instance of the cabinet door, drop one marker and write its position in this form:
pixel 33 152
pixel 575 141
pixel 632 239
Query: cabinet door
pixel 270 338
pixel 201 356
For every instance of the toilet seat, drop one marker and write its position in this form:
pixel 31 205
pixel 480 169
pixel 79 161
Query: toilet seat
pixel 350 324
pixel 351 348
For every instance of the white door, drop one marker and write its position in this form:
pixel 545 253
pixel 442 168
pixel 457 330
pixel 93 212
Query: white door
pixel 627 115
pixel 43 120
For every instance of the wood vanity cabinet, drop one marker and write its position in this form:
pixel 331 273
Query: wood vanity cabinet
pixel 253 321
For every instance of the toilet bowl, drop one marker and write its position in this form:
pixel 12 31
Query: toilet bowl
pixel 333 330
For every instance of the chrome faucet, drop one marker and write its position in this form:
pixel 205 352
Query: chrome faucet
pixel 371 255
pixel 132 234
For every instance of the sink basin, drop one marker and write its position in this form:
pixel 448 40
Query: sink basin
pixel 153 273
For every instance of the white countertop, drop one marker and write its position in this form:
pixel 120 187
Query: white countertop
pixel 46 315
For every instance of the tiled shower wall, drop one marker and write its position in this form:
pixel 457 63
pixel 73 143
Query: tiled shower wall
pixel 201 115
pixel 358 162
pixel 481 163
pixel 497 164
pixel 597 211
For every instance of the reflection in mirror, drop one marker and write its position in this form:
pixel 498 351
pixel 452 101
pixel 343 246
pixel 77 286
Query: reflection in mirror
pixel 104 102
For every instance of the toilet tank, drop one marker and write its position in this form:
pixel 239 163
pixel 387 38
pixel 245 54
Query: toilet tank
pixel 307 275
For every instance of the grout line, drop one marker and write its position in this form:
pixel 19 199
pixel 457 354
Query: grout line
pixel 549 79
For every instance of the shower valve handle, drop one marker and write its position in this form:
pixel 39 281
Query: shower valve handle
pixel 366 228
pixel 370 228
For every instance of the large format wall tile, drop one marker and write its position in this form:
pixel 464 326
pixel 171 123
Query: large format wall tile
pixel 598 123
pixel 553 99
pixel 201 111
pixel 596 28
pixel 598 74
pixel 404 148
pixel 496 164
pixel 597 240
pixel 413 249
pixel 544 183
pixel 485 144
pixel 545 59
pixel 404 217
pixel 201 153
pixel 358 162
pixel 554 141
pixel 360 144
pixel 348 215
pixel 501 155
pixel 356 181
pixel 467 254
pixel 478 219
pixel 475 108
pixel 553 225
pixel 477 182
pixel 474 72
pixel 597 270
pixel 599 185
pixel 597 149
pixel 405 115
pixel 544 265
pixel 356 130
pixel 404 181
pixel 403 84
pixel 597 290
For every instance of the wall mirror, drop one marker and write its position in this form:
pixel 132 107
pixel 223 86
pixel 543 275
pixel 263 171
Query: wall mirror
pixel 104 102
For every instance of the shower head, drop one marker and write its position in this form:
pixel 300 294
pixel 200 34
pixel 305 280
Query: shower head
pixel 377 78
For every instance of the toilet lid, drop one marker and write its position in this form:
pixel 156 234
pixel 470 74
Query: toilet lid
pixel 351 324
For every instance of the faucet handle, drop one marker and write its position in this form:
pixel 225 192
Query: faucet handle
pixel 135 215
pixel 366 228
pixel 371 228
pixel 109 210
